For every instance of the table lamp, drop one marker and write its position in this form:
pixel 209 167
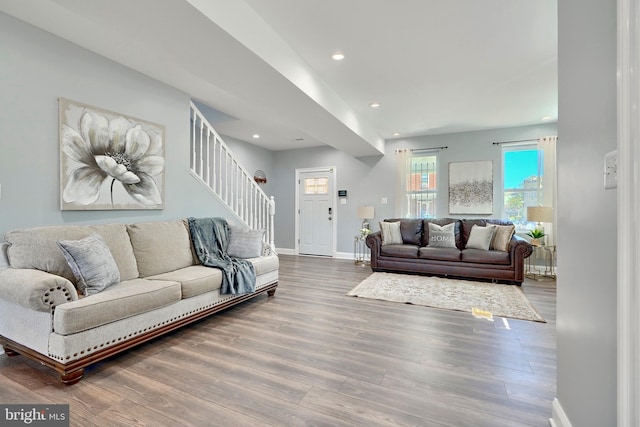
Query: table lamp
pixel 365 213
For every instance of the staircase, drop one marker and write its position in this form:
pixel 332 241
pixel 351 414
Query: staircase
pixel 213 164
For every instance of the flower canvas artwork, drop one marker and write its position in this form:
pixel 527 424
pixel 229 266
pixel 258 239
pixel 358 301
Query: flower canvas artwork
pixel 109 161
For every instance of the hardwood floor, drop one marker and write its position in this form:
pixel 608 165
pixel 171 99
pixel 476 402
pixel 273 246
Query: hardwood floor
pixel 312 356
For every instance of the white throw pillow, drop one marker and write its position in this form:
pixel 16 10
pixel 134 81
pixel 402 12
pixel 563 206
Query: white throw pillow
pixel 442 236
pixel 91 262
pixel 481 237
pixel 244 243
pixel 391 234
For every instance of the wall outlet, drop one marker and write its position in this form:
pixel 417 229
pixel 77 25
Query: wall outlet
pixel 611 170
pixel 384 201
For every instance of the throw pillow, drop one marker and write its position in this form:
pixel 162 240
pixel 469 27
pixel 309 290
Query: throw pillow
pixel 91 262
pixel 481 237
pixel 244 243
pixel 391 234
pixel 442 236
pixel 502 237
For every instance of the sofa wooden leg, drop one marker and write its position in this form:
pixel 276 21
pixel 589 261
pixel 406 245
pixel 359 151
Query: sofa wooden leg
pixel 271 292
pixel 69 378
pixel 10 352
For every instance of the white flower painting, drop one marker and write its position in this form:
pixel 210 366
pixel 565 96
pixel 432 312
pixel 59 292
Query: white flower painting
pixel 109 161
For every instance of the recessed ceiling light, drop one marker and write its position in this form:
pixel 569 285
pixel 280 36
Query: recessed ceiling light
pixel 396 134
pixel 256 136
pixel 374 105
pixel 546 118
pixel 338 56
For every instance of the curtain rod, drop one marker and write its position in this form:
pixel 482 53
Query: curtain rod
pixel 444 147
pixel 514 142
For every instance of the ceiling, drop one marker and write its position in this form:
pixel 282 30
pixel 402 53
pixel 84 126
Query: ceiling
pixel 264 66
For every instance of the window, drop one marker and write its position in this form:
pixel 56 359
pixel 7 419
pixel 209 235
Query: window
pixel 422 187
pixel 316 186
pixel 522 168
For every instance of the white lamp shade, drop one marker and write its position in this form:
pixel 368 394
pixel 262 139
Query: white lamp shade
pixel 540 214
pixel 366 212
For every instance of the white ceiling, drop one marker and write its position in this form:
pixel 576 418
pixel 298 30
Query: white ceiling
pixel 434 66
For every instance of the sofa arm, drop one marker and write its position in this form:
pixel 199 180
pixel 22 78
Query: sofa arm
pixel 374 242
pixel 519 248
pixel 35 289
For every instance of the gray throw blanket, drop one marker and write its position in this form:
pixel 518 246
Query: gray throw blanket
pixel 210 237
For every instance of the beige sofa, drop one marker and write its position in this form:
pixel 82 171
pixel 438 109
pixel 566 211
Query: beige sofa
pixel 162 287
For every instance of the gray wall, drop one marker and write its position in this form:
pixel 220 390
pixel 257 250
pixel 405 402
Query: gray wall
pixel 38 68
pixel 369 179
pixel 586 287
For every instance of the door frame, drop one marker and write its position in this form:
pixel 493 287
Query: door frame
pixel 332 191
pixel 628 298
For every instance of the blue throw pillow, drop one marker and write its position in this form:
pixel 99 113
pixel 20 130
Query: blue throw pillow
pixel 91 262
pixel 244 243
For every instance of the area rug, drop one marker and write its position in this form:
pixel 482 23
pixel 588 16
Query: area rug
pixel 480 298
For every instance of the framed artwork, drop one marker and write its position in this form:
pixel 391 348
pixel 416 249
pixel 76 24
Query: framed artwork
pixel 471 187
pixel 109 161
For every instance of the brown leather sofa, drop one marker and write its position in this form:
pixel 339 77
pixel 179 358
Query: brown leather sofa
pixel 416 256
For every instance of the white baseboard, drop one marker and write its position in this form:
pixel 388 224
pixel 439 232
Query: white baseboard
pixel 286 251
pixel 344 255
pixel 558 416
pixel 337 255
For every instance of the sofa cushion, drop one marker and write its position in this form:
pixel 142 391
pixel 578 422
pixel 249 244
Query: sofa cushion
pixel 440 254
pixel 481 237
pixel 442 236
pixel 244 243
pixel 117 302
pixel 502 237
pixel 36 248
pixel 265 264
pixel 485 257
pixel 399 251
pixel 91 263
pixel 442 221
pixel 161 246
pixel 194 280
pixel 410 229
pixel 390 232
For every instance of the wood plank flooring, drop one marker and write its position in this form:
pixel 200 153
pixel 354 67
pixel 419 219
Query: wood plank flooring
pixel 312 356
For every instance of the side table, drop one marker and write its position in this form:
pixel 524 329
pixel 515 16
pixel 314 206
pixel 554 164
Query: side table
pixel 545 269
pixel 361 254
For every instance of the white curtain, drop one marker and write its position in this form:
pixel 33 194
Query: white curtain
pixel 549 186
pixel 403 163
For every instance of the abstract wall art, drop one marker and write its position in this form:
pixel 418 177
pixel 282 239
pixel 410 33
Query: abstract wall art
pixel 471 187
pixel 109 161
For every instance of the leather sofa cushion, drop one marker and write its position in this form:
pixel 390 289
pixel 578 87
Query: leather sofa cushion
pixel 117 302
pixel 399 251
pixel 411 230
pixel 485 257
pixel 441 254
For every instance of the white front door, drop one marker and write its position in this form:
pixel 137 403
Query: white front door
pixel 316 212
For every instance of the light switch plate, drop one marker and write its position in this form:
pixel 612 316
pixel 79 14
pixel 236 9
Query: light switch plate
pixel 611 170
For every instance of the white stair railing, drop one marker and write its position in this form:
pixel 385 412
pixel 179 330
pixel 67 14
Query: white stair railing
pixel 214 165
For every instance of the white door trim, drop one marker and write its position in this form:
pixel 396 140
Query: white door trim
pixel 334 222
pixel 628 167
